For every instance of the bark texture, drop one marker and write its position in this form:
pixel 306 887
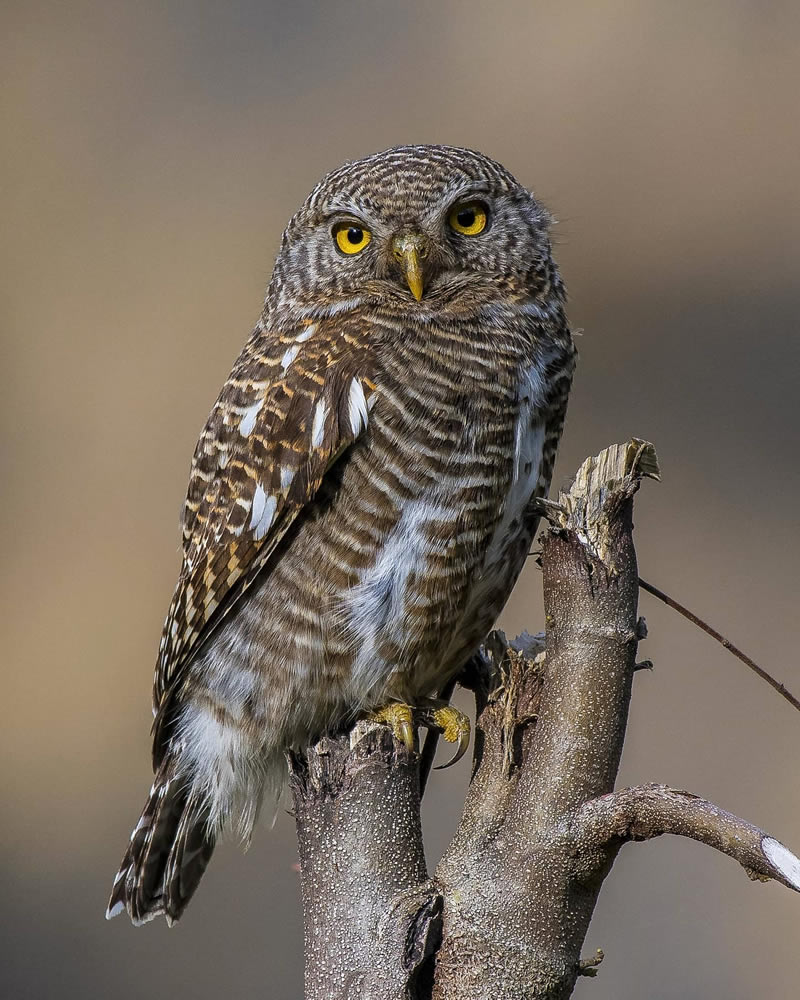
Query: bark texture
pixel 507 909
pixel 371 916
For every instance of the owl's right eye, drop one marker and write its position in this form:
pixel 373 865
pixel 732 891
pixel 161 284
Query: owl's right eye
pixel 350 237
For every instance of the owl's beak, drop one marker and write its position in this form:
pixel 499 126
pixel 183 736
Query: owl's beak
pixel 410 250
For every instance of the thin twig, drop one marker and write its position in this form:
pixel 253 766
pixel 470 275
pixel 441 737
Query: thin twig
pixel 672 603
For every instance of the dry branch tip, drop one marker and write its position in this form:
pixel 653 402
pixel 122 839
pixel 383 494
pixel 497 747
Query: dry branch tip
pixel 588 507
pixel 588 966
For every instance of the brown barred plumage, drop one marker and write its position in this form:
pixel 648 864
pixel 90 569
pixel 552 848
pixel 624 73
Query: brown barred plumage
pixel 359 504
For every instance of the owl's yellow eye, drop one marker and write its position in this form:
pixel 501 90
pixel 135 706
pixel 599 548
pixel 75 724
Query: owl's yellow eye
pixel 468 218
pixel 351 238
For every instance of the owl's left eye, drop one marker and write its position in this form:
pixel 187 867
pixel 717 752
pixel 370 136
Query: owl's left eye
pixel 468 218
pixel 350 237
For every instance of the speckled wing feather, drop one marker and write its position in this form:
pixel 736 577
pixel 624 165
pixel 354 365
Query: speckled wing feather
pixel 294 402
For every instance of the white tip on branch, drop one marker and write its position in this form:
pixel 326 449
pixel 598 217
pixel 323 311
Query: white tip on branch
pixel 782 859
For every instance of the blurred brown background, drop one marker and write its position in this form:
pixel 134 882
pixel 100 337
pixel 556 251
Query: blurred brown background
pixel 152 154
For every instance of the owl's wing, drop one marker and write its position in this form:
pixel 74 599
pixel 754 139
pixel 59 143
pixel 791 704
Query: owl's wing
pixel 292 405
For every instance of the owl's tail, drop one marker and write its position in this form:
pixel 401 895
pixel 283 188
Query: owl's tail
pixel 169 850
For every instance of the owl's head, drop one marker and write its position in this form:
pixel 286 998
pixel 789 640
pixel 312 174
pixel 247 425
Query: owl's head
pixel 415 227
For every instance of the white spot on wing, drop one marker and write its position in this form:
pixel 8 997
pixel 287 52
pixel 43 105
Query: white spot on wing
pixel 248 420
pixel 259 500
pixel 289 356
pixel 287 475
pixel 783 859
pixel 143 824
pixel 265 521
pixel 115 910
pixel 301 338
pixel 318 427
pixel 357 407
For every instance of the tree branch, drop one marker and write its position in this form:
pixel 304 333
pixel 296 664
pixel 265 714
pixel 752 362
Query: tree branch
pixel 511 900
pixel 519 886
pixel 371 916
pixel 591 591
pixel 647 811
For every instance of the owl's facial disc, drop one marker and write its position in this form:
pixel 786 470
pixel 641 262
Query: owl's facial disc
pixel 410 249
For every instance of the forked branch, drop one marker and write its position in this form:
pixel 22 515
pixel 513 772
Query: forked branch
pixel 506 912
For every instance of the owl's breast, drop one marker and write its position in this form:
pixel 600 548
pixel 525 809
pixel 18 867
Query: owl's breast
pixel 400 565
pixel 456 465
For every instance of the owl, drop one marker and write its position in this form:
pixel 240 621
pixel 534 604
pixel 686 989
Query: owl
pixel 361 499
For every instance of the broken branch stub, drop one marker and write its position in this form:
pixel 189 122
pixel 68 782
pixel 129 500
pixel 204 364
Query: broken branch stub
pixel 600 485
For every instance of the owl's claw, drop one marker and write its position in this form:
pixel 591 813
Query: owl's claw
pixel 400 719
pixel 455 727
pixel 450 722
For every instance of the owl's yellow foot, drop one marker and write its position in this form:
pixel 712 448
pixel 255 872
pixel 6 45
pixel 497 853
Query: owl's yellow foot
pixel 450 722
pixel 439 715
pixel 400 719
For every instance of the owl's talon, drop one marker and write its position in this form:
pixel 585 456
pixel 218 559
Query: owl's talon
pixel 450 722
pixel 463 746
pixel 406 735
pixel 400 719
pixel 455 728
